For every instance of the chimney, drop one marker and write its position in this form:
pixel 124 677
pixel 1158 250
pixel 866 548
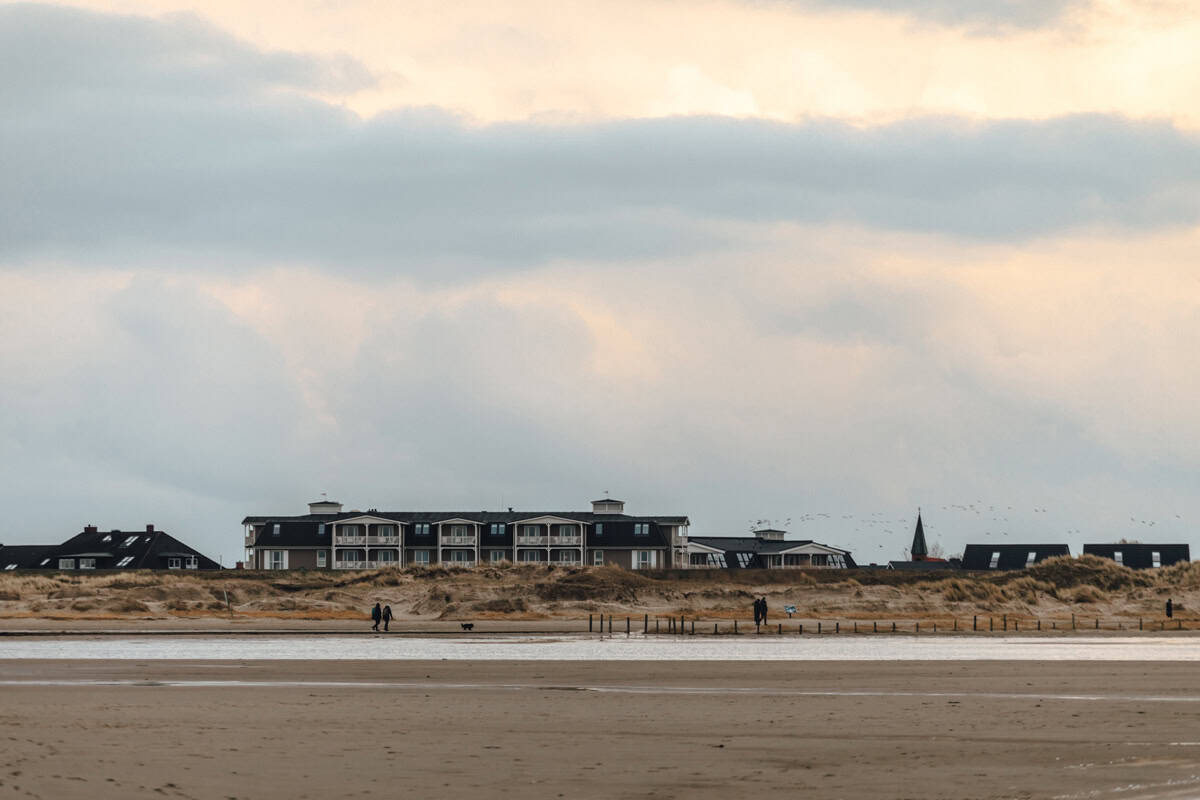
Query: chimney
pixel 149 529
pixel 90 529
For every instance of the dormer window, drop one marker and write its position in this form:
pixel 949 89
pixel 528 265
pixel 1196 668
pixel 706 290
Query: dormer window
pixel 1119 557
pixel 599 528
pixel 641 529
pixel 498 529
pixel 421 529
pixel 107 537
pixel 275 529
pixel 1155 559
pixel 995 562
pixel 320 529
pixel 128 541
pixel 125 562
pixel 1031 558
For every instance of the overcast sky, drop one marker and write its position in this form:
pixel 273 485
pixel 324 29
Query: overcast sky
pixel 818 262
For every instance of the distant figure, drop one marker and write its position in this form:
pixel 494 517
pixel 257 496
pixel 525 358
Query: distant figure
pixel 757 612
pixel 763 605
pixel 387 617
pixel 376 615
pixel 1170 608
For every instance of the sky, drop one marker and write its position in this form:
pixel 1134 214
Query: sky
pixel 818 263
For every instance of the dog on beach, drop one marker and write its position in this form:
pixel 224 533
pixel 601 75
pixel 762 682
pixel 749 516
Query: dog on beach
pixel 468 626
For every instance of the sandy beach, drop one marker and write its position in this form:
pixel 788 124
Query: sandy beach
pixel 593 730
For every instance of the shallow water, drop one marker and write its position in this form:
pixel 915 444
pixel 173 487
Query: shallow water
pixel 617 648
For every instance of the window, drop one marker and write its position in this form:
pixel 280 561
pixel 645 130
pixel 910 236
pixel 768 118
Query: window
pixel 643 559
pixel 11 566
pixel 45 561
pixel 1030 558
pixel 173 563
pixel 529 530
pixel 995 560
pixel 66 563
pixel 422 529
pixel 497 529
pixel 568 557
pixel 125 562
pixel 388 556
pixel 131 539
pixel 276 559
pixel 421 556
pixel 1155 559
pixel 641 529
pixel 598 558
pixel 322 558
pixel 321 529
pixel 461 555
pixel 275 529
pixel 745 560
pixel 497 555
pixel 385 530
pixel 530 555
pixel 107 538
pixel 1119 557
pixel 599 528
pixel 458 530
pixel 87 563
pixel 566 530
pixel 191 562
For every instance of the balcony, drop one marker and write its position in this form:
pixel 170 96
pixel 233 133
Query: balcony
pixel 574 540
pixel 355 565
pixel 342 538
pixel 393 540
pixel 534 541
pixel 458 563
pixel 459 541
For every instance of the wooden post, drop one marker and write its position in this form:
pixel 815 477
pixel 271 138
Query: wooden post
pixel 1072 622
pixel 935 627
pixel 781 629
pixel 875 627
pixel 818 627
pixel 589 623
pixel 1039 623
pixel 837 627
pixel 917 628
pixel 1017 625
pixel 991 624
pixel 682 621
pixel 1004 620
pixel 801 628
pixel 735 626
pixel 714 629
pixel 1139 623
pixel 856 627
pixel 956 624
pixel 975 622
pixel 1053 624
pixel 1097 623
pixel 228 605
pixel 627 627
pixel 610 623
pixel 693 627
pixel 893 627
pixel 645 623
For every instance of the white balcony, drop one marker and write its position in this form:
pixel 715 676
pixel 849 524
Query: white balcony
pixel 574 540
pixel 342 538
pixel 534 541
pixel 355 565
pixel 459 541
pixel 458 563
pixel 392 540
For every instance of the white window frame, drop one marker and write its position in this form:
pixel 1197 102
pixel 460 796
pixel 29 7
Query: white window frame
pixel 322 558
pixel 66 563
pixel 174 562
pixel 421 529
pixel 87 563
pixel 10 567
pixel 567 530
pixel 385 530
pixel 458 530
pixel 1119 557
pixel 128 541
pixel 995 560
pixel 644 559
pixel 1155 559
pixel 597 558
pixel 421 557
pixel 530 530
pixel 191 562
pixel 599 528
pixel 125 562
pixel 497 555
pixel 276 559
pixel 321 529
pixel 498 528
pixel 275 529
pixel 1031 558
pixel 641 529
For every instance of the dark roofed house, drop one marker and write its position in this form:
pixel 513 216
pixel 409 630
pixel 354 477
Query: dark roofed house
pixel 115 549
pixel 25 556
pixel 1009 556
pixel 1141 556
pixel 330 538
pixel 766 549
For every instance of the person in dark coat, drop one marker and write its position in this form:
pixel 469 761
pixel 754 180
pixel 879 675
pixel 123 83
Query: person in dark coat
pixel 1170 608
pixel 762 604
pixel 757 612
pixel 387 617
pixel 376 615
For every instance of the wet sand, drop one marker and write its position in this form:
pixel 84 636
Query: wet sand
pixel 600 730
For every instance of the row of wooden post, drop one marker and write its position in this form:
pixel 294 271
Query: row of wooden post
pixel 679 626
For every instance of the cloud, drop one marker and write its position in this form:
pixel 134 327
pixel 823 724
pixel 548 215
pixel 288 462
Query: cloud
pixel 165 141
pixel 978 15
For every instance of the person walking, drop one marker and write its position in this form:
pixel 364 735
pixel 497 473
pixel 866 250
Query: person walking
pixel 387 617
pixel 763 605
pixel 1170 608
pixel 376 615
pixel 757 613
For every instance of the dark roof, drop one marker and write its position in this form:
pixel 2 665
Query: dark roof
pixel 1141 556
pixel 1012 556
pixel 145 549
pixel 919 566
pixel 752 544
pixel 918 546
pixel 24 556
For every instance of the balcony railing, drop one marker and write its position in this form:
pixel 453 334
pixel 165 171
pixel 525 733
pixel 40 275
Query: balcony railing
pixel 343 538
pixel 533 540
pixel 393 539
pixel 574 539
pixel 467 541
pixel 354 565
pixel 459 563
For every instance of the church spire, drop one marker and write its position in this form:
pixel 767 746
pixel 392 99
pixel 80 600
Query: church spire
pixel 919 551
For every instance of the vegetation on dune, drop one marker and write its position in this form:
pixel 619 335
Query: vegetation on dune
pixel 536 591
